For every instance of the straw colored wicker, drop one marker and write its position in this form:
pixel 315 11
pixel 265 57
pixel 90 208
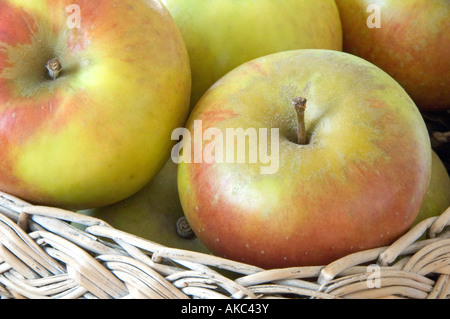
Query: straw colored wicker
pixel 43 256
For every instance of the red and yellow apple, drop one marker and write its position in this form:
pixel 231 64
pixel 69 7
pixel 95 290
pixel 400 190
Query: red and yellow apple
pixel 357 182
pixel 98 131
pixel 437 197
pixel 222 34
pixel 411 43
pixel 152 213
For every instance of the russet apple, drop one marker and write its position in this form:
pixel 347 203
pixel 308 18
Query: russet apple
pixel 410 41
pixel 354 178
pixel 437 198
pixel 222 34
pixel 89 94
pixel 153 213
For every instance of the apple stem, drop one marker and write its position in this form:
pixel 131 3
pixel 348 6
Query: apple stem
pixel 299 104
pixel 184 230
pixel 54 67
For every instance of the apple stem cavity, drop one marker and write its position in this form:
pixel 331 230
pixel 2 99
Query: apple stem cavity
pixel 54 67
pixel 299 104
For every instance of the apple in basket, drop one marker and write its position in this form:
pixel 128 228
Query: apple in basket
pixel 90 92
pixel 153 213
pixel 222 34
pixel 437 198
pixel 408 39
pixel 301 157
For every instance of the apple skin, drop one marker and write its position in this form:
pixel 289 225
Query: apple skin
pixel 359 182
pixel 222 34
pixel 437 197
pixel 100 131
pixel 412 44
pixel 152 212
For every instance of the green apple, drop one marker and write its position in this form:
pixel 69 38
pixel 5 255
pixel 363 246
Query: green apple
pixel 90 92
pixel 152 213
pixel 409 39
pixel 437 198
pixel 222 34
pixel 356 182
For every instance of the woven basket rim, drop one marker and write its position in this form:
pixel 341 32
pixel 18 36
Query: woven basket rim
pixel 42 255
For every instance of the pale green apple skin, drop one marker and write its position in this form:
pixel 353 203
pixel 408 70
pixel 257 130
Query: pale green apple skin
pixel 437 198
pixel 358 183
pixel 151 213
pixel 222 34
pixel 100 131
pixel 412 44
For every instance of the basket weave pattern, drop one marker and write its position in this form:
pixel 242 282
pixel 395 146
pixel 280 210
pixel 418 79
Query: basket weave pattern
pixel 43 256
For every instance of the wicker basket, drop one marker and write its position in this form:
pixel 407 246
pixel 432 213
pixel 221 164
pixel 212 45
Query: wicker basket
pixel 43 256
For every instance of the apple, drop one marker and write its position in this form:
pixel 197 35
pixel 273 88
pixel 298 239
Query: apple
pixel 222 34
pixel 89 94
pixel 356 182
pixel 437 197
pixel 408 39
pixel 152 213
